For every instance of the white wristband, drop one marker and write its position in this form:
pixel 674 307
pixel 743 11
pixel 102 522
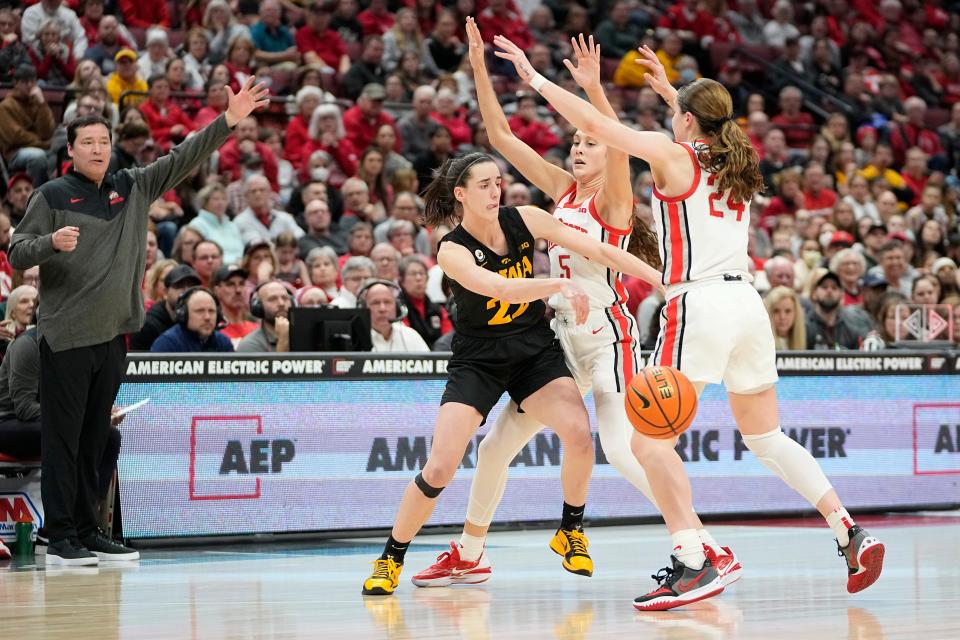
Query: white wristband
pixel 537 82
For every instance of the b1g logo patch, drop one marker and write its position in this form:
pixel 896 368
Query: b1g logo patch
pixel 479 255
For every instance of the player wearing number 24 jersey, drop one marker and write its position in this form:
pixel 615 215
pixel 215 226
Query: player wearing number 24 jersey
pixel 714 327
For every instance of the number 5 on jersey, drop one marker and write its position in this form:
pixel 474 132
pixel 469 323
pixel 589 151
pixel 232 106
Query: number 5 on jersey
pixel 503 315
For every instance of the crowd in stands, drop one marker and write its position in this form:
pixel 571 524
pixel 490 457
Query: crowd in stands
pixel 853 107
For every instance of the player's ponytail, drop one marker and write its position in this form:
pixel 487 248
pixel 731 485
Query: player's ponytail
pixel 643 242
pixel 729 154
pixel 440 205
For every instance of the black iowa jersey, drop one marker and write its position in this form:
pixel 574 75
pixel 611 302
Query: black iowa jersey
pixel 482 317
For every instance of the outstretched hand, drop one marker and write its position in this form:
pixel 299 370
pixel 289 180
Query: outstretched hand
pixel 656 74
pixel 514 54
pixel 587 71
pixel 475 45
pixel 242 104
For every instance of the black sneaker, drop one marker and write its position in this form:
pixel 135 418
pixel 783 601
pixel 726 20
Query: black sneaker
pixel 107 549
pixel 70 553
pixel 680 585
pixel 42 538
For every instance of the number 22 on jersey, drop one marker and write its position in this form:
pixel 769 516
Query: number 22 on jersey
pixel 521 269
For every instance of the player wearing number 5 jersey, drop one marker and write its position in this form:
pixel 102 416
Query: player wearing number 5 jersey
pixel 503 343
pixel 714 327
pixel 595 200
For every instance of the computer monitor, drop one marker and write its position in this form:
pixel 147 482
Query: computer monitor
pixel 329 329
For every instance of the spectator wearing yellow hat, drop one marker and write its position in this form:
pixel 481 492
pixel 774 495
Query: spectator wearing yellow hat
pixel 126 78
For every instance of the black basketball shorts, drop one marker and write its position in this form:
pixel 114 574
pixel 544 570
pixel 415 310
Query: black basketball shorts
pixel 482 369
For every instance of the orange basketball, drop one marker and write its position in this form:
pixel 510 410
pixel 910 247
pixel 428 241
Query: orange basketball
pixel 661 402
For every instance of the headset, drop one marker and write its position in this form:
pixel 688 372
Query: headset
pixel 256 304
pixel 402 310
pixel 183 313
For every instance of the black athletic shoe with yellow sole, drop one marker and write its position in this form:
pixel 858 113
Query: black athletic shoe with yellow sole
pixel 384 579
pixel 572 545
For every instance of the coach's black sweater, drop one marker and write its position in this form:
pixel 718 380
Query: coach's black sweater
pixel 92 294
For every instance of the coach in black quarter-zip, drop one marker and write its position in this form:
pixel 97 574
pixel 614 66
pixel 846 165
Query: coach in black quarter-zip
pixel 87 231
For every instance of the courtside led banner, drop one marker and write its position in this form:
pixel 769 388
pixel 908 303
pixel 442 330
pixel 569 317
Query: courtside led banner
pixel 239 445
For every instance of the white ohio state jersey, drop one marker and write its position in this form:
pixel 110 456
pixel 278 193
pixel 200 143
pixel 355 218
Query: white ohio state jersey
pixel 600 283
pixel 702 233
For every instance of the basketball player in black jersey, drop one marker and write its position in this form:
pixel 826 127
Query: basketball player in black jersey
pixel 503 343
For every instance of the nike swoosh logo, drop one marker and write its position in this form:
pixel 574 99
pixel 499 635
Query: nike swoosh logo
pixel 596 331
pixel 75 200
pixel 646 405
pixel 689 585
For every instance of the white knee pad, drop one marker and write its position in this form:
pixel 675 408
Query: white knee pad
pixel 790 462
pixel 506 438
pixel 615 433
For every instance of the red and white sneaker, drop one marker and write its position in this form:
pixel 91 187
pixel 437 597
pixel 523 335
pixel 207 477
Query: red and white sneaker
pixel 680 585
pixel 450 569
pixel 727 564
pixel 4 551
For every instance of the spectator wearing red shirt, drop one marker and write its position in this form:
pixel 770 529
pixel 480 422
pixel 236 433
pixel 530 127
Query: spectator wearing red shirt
pixel 913 133
pixel 168 123
pixel 448 116
pixel 327 133
pixel 318 43
pixel 216 104
pixel 499 19
pixel 789 197
pixel 691 23
pixel 239 60
pixel 297 134
pixel 527 125
pixel 245 143
pixel 52 58
pixel 375 20
pixel 144 14
pixel 363 120
pixel 797 125
pixel 915 173
pixel 818 198
pixel 90 21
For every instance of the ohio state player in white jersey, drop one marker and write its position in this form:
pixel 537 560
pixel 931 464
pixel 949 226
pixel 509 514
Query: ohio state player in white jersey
pixel 714 327
pixel 607 293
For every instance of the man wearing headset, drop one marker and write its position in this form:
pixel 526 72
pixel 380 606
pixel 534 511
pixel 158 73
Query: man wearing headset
pixel 271 302
pixel 198 316
pixel 387 332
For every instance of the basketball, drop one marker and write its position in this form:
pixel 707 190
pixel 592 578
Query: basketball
pixel 661 402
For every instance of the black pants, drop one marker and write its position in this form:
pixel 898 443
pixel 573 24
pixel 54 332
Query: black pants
pixel 77 391
pixel 22 440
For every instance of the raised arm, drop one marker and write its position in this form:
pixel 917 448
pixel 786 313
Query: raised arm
pixel 458 264
pixel 165 173
pixel 615 200
pixel 543 225
pixel 653 147
pixel 549 178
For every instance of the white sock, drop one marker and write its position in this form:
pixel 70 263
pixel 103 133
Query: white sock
pixel 708 541
pixel 840 521
pixel 688 548
pixel 470 547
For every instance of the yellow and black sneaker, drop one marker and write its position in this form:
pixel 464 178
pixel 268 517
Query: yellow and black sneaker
pixel 572 545
pixel 384 579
